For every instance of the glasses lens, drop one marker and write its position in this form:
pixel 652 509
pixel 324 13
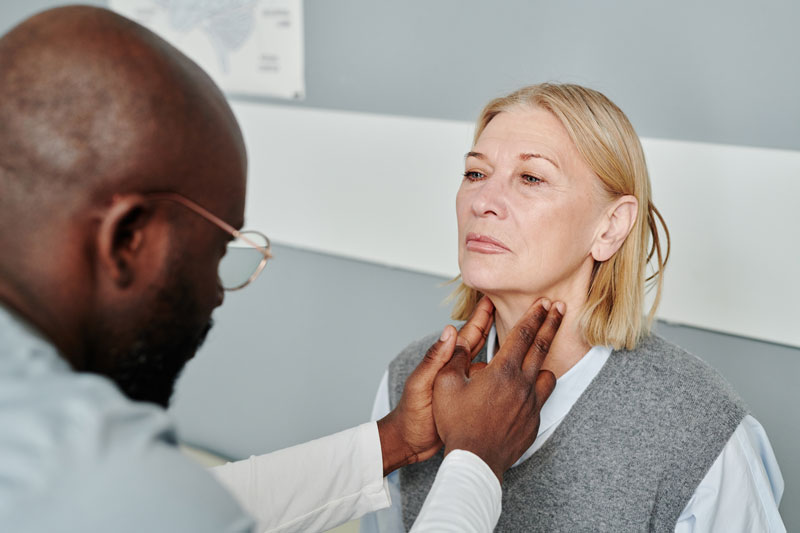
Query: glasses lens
pixel 242 260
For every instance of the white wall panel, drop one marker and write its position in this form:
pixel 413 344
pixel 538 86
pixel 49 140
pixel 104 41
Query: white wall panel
pixel 370 187
pixel 382 189
pixel 735 222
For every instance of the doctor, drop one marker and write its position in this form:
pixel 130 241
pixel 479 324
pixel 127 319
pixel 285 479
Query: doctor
pixel 122 182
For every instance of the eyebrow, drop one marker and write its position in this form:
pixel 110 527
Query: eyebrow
pixel 526 157
pixel 522 157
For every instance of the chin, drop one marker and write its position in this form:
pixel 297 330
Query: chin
pixel 486 281
pixel 499 283
pixel 487 270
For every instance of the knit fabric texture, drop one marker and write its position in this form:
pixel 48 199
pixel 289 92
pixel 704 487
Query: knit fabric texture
pixel 627 457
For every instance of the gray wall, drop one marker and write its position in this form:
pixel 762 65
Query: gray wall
pixel 299 354
pixel 13 12
pixel 713 71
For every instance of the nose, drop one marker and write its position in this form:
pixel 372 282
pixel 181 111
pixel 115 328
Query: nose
pixel 490 199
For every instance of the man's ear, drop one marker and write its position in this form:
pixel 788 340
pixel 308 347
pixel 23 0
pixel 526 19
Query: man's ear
pixel 121 237
pixel 617 222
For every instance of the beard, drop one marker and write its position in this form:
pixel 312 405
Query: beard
pixel 147 367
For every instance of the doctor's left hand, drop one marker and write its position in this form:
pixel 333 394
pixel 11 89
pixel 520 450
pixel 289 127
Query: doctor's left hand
pixel 408 434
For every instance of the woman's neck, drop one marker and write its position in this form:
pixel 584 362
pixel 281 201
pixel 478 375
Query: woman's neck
pixel 569 345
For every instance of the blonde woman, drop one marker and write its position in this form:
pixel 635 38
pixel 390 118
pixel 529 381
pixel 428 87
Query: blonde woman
pixel 638 435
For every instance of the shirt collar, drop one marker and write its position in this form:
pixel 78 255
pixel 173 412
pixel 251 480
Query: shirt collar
pixel 25 351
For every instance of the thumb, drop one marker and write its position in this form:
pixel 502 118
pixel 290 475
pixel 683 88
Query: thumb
pixel 437 356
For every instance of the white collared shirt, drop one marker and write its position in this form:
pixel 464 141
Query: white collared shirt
pixel 742 489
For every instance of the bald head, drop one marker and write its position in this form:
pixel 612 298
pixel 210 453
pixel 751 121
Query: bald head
pixel 92 104
pixel 96 112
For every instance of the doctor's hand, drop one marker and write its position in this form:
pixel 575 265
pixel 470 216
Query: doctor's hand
pixel 493 410
pixel 408 434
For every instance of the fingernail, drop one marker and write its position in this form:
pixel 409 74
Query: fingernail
pixel 546 304
pixel 561 307
pixel 445 334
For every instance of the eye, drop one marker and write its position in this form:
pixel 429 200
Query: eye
pixel 530 179
pixel 474 175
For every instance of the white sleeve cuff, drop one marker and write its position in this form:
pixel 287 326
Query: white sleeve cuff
pixel 466 497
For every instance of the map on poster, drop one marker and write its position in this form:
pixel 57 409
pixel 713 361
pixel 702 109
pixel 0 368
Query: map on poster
pixel 249 47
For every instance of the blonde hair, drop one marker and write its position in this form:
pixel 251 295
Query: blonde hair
pixel 608 143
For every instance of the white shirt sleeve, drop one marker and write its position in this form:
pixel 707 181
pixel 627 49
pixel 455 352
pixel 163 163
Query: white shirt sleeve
pixel 465 495
pixel 313 486
pixel 741 491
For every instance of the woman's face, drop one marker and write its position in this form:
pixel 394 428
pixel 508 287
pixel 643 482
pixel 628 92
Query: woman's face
pixel 528 209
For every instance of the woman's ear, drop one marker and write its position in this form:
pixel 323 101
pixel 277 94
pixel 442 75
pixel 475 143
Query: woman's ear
pixel 121 237
pixel 618 220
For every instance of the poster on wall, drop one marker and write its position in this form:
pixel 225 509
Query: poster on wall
pixel 249 47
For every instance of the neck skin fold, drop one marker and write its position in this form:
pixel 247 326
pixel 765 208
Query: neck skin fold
pixel 569 345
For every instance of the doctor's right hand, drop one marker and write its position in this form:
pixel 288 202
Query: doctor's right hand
pixel 493 410
pixel 408 434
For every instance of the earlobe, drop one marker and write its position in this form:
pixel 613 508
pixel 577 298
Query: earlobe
pixel 120 238
pixel 617 223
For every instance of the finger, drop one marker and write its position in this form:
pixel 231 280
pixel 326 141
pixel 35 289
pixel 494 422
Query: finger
pixel 544 386
pixel 460 361
pixel 476 367
pixel 542 342
pixel 473 334
pixel 522 335
pixel 435 358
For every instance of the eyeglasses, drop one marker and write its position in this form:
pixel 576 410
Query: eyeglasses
pixel 252 248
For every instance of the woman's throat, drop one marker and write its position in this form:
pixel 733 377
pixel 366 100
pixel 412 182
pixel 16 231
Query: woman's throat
pixel 568 347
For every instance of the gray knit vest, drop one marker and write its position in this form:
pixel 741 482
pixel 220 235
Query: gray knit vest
pixel 628 455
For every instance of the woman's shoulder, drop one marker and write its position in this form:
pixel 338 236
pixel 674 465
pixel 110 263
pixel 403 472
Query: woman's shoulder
pixel 660 355
pixel 413 353
pixel 663 364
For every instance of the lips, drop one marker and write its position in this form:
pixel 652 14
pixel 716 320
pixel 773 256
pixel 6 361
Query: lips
pixel 485 244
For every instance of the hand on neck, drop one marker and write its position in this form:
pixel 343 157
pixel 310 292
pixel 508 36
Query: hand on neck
pixel 568 347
